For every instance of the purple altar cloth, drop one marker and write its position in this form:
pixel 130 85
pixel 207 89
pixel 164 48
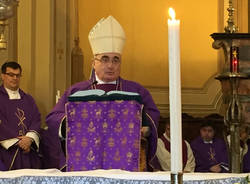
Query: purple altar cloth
pixel 103 135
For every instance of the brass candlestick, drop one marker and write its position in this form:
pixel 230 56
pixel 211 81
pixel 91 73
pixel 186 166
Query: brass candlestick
pixel 176 178
pixel 233 119
pixel 231 27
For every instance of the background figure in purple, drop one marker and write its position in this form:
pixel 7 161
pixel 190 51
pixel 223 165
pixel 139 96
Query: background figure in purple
pixel 210 153
pixel 246 159
pixel 19 123
pixel 107 39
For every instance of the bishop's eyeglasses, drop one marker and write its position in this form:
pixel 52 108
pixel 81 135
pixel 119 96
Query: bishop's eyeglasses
pixel 106 59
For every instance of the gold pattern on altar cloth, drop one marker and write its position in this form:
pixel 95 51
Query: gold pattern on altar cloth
pixel 92 102
pixel 84 168
pixel 72 112
pixel 97 142
pixel 21 117
pixel 118 127
pixel 111 142
pixel 84 113
pixel 104 127
pixel 131 126
pixel 132 102
pixel 129 156
pixel 68 129
pixel 111 113
pixel 91 127
pixel 124 141
pixel 105 102
pixel 136 144
pixel 125 113
pixel 84 142
pixel 117 156
pixel 71 168
pixel 91 156
pixel 212 154
pixel 104 156
pixel 77 156
pixel 78 127
pixel 119 101
pixel 73 141
pixel 138 115
pixel 98 113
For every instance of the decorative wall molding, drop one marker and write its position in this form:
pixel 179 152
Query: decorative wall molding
pixel 195 101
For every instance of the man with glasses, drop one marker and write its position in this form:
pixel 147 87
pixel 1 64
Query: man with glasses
pixel 19 122
pixel 107 39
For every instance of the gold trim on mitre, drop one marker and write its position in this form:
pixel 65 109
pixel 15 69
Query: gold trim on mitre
pixel 107 36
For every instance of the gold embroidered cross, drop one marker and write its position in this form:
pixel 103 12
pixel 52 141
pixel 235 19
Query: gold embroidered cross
pixel 21 117
pixel 212 154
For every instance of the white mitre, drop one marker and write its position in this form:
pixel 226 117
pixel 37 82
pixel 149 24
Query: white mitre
pixel 107 36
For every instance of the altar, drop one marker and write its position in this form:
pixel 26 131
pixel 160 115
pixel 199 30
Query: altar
pixel 54 176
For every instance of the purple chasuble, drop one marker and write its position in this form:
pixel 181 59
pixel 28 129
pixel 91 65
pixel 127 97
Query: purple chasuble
pixel 209 154
pixel 184 149
pixel 57 115
pixel 17 117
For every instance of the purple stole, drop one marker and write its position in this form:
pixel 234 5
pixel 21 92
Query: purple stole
pixel 184 149
pixel 103 134
pixel 106 87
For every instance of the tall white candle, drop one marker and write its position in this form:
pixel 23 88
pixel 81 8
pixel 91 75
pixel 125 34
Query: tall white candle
pixel 175 92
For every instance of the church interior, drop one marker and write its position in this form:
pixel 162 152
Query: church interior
pixel 49 38
pixel 41 37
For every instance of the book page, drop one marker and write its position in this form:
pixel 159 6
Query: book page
pixel 90 92
pixel 122 93
pixel 9 142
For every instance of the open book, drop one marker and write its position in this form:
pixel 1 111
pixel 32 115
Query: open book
pixel 100 95
pixel 9 142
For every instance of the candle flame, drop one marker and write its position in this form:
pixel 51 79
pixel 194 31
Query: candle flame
pixel 171 13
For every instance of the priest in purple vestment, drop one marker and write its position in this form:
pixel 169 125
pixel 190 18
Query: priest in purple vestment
pixel 107 39
pixel 19 123
pixel 210 152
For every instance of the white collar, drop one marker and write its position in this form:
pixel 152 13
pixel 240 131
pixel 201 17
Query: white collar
pixel 208 142
pixel 13 94
pixel 99 81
